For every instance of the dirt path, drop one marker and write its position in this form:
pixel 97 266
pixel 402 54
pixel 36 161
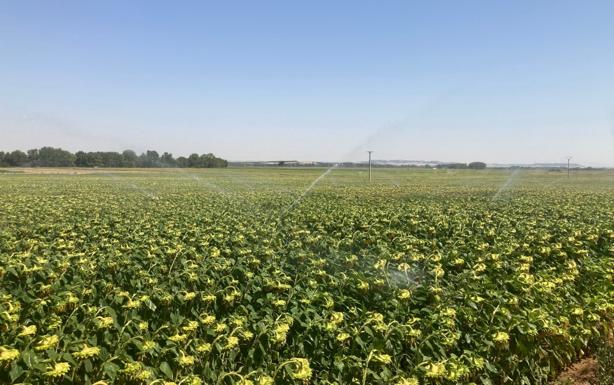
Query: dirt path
pixel 583 372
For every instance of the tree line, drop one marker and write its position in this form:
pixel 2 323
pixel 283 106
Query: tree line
pixel 472 165
pixel 57 157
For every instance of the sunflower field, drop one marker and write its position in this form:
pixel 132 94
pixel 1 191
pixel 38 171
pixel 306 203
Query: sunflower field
pixel 243 277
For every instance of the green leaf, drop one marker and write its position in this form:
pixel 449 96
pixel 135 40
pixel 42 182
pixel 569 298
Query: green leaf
pixel 166 369
pixel 88 366
pixel 491 368
pixel 110 369
pixel 29 358
pixel 15 372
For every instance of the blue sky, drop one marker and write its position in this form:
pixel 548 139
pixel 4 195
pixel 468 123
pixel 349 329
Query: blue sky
pixel 498 81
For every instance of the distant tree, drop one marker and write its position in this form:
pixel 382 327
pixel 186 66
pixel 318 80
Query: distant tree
pixel 452 165
pixel 129 158
pixel 33 157
pixel 182 162
pixel 112 159
pixel 16 158
pixel 95 159
pixel 220 163
pixel 477 165
pixel 194 160
pixel 154 157
pixel 149 159
pixel 167 160
pixel 105 159
pixel 55 157
pixel 81 159
pixel 206 160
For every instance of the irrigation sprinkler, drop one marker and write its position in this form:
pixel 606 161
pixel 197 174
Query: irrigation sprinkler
pixel 369 151
pixel 568 159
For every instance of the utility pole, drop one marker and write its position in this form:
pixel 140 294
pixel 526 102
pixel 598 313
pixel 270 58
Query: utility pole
pixel 568 159
pixel 369 165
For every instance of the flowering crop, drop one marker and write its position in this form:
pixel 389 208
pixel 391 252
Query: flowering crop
pixel 165 278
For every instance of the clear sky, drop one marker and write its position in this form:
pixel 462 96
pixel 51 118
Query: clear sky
pixel 497 81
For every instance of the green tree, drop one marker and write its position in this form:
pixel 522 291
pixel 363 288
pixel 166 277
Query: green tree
pixel 129 158
pixel 167 160
pixel 16 158
pixel 149 159
pixel 55 157
pixel 182 162
pixel 477 165
pixel 33 157
pixel 194 160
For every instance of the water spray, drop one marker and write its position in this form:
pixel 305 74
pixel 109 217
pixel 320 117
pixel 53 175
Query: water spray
pixel 507 184
pixel 311 186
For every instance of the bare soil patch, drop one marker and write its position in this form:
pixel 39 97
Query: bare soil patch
pixel 583 372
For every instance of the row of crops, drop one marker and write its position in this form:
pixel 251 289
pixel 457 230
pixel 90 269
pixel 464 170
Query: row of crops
pixel 162 280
